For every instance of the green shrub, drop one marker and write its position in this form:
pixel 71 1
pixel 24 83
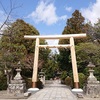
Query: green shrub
pixel 3 82
pixel 68 81
pixel 82 80
pixel 63 76
pixel 28 82
pixel 39 84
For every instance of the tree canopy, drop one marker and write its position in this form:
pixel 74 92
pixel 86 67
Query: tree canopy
pixel 74 25
pixel 15 48
pixel 87 52
pixel 86 49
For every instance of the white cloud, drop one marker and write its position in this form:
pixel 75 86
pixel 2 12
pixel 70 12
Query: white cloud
pixel 53 42
pixel 45 12
pixel 63 17
pixel 92 13
pixel 68 9
pixel 2 19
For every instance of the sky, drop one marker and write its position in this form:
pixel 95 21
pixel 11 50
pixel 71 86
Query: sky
pixel 49 17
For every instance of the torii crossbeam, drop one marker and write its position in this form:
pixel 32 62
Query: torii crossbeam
pixel 71 46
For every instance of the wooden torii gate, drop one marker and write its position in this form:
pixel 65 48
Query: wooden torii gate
pixel 71 46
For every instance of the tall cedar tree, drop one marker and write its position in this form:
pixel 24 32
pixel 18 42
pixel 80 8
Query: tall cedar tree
pixel 74 25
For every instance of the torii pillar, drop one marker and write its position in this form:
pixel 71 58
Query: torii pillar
pixel 74 64
pixel 35 66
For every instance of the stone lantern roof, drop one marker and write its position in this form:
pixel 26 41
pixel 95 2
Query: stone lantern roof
pixel 90 65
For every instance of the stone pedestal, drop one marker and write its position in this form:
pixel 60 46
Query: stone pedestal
pixel 18 85
pixel 92 88
pixel 77 90
pixel 16 88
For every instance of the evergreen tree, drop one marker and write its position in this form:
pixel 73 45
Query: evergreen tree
pixel 51 68
pixel 74 25
pixel 97 31
pixel 88 52
pixel 15 48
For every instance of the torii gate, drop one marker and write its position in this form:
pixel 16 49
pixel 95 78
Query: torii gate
pixel 71 46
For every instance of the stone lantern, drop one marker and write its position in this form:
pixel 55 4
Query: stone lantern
pixel 42 77
pixel 91 77
pixel 92 87
pixel 17 86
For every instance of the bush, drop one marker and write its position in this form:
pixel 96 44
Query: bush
pixel 63 75
pixel 82 79
pixel 68 81
pixel 28 82
pixel 39 84
pixel 3 82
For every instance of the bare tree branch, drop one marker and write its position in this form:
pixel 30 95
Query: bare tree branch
pixel 3 7
pixel 12 8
